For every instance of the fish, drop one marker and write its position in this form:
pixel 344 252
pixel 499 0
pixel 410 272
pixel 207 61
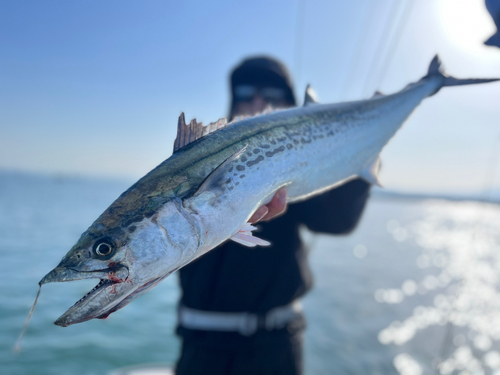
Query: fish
pixel 218 176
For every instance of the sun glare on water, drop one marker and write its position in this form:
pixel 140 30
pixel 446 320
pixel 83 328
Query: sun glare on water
pixel 460 243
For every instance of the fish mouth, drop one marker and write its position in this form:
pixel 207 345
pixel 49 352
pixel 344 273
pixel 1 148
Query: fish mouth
pixel 114 285
pixel 65 319
pixel 98 303
pixel 116 289
pixel 113 295
pixel 104 299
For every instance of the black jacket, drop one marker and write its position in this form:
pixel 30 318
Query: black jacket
pixel 234 278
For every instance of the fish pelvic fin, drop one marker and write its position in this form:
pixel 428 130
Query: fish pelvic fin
pixel 244 237
pixel 435 69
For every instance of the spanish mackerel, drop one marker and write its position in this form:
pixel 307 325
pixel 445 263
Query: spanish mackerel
pixel 205 193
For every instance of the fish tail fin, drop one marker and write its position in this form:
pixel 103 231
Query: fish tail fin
pixel 452 81
pixel 435 68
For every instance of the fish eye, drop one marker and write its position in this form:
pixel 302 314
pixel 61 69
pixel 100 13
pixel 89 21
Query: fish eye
pixel 103 248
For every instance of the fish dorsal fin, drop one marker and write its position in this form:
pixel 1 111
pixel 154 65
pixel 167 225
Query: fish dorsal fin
pixel 188 133
pixel 216 178
pixel 310 96
pixel 377 94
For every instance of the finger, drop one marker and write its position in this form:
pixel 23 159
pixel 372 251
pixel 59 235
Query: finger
pixel 258 215
pixel 277 205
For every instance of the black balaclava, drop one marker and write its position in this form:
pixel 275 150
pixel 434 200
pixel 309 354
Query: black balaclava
pixel 262 71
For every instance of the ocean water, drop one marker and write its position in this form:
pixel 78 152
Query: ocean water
pixel 414 290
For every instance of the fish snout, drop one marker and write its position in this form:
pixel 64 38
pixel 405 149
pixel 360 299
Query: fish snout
pixel 59 274
pixel 116 273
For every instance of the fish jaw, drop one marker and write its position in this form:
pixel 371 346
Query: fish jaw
pixel 106 298
pixel 97 303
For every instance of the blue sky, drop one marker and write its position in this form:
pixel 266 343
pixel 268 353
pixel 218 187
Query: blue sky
pixel 95 87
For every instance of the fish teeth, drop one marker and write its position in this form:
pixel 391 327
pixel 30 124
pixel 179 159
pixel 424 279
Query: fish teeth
pixel 103 281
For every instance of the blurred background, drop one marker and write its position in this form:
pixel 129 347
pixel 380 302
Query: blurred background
pixel 90 93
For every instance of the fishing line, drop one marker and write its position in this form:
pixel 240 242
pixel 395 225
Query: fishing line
pixel 299 38
pixel 392 47
pixel 17 346
pixel 356 55
pixel 396 5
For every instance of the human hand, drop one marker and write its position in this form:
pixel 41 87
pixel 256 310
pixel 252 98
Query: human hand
pixel 276 207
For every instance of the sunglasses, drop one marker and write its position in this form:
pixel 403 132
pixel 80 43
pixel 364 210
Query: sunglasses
pixel 246 93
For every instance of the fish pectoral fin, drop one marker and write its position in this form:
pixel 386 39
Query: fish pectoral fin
pixel 310 96
pixel 216 178
pixel 244 237
pixel 370 173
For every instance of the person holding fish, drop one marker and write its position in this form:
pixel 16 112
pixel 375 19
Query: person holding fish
pixel 239 311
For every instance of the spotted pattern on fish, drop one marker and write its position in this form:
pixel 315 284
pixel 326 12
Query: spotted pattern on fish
pixel 257 160
pixel 275 151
